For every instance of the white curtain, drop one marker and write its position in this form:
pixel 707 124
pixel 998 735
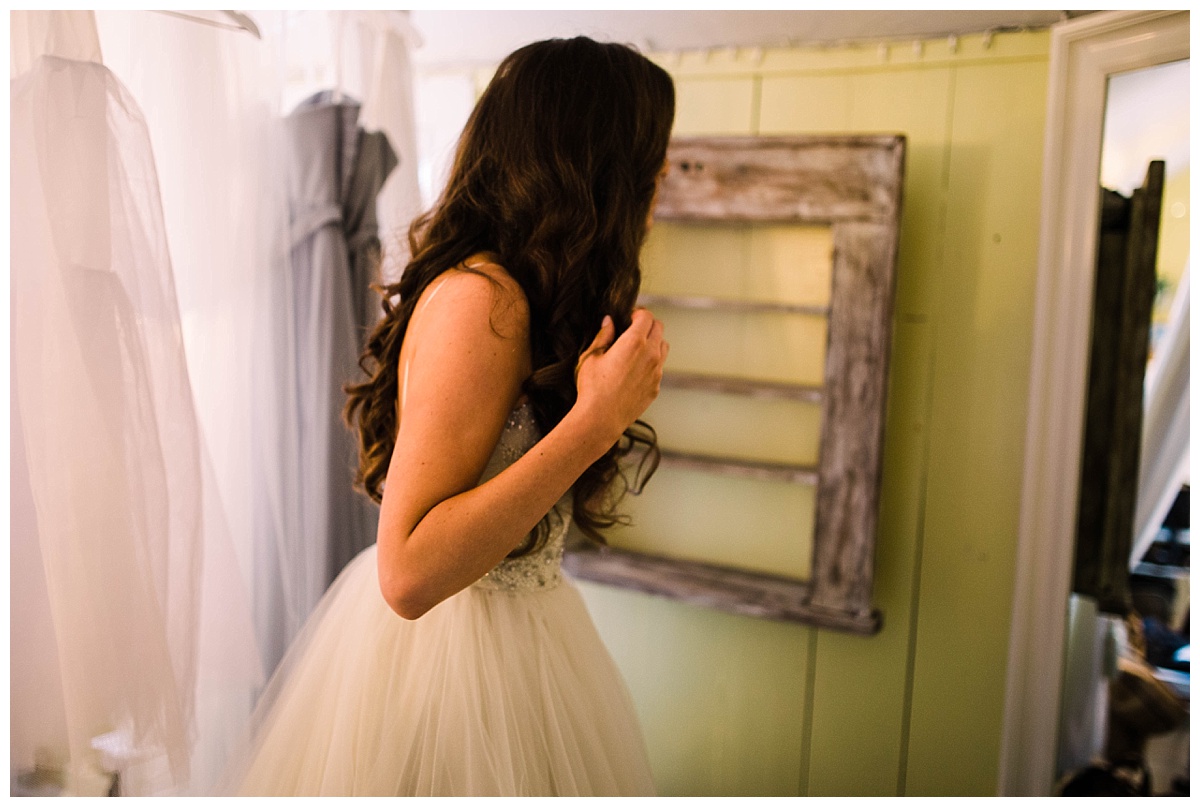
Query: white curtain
pixel 217 136
pixel 218 141
pixel 1166 426
pixel 379 43
pixel 171 378
pixel 366 55
pixel 148 619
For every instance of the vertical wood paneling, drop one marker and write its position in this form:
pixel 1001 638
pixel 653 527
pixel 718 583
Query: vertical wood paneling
pixel 982 299
pixel 859 687
pixel 787 263
pixel 737 426
pixel 859 748
pixel 806 104
pixel 714 106
pixel 918 103
pixel 721 698
pixel 764 346
pixel 693 515
pixel 916 708
pixel 790 263
pixel 750 524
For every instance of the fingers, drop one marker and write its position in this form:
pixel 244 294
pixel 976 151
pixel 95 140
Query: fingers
pixel 656 345
pixel 641 323
pixel 604 336
pixel 656 334
pixel 622 375
pixel 640 328
pixel 599 345
pixel 603 340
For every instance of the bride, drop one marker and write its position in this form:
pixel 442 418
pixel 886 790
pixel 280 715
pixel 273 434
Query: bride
pixel 505 382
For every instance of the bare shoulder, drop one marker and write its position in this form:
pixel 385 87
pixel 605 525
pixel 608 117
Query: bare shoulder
pixel 481 293
pixel 510 307
pixel 464 359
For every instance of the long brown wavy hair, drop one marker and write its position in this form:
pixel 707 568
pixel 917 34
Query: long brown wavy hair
pixel 554 177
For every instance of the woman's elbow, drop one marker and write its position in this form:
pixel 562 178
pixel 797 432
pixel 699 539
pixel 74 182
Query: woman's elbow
pixel 405 598
pixel 409 611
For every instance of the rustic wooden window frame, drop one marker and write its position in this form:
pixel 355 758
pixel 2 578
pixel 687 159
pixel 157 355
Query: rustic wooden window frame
pixel 853 184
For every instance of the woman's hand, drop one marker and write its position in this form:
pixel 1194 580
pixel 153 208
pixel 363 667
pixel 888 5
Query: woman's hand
pixel 616 381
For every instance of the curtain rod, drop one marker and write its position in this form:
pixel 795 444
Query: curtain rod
pixel 239 21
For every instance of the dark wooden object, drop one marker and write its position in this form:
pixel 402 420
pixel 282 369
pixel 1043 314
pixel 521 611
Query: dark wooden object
pixel 1126 258
pixel 734 590
pixel 852 184
pixel 811 180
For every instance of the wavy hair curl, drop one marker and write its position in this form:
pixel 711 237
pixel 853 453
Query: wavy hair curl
pixel 554 177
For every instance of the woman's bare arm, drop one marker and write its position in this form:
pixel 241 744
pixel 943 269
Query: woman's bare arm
pixel 438 531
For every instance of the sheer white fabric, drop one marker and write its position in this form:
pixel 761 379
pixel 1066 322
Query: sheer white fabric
pixel 147 612
pixel 217 136
pixel 217 143
pixel 69 34
pixel 491 693
pixel 196 478
pixel 380 43
pixel 503 689
pixel 1166 424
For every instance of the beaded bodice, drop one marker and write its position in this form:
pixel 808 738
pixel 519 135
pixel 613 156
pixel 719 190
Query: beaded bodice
pixel 540 569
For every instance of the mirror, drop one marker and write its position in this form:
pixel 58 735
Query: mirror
pixel 1084 54
pixel 1124 697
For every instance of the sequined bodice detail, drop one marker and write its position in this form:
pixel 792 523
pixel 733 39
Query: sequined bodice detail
pixel 540 569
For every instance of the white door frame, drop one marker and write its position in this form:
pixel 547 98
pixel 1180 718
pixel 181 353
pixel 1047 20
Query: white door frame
pixel 1083 53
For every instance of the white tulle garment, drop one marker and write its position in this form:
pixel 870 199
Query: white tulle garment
pixel 503 689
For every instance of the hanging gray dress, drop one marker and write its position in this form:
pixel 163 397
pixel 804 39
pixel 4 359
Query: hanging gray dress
pixel 335 172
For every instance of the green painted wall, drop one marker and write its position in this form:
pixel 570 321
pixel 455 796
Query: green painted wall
pixel 738 706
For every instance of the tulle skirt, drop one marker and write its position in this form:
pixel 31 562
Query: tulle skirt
pixel 489 693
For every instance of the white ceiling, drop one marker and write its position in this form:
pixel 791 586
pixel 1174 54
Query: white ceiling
pixel 486 37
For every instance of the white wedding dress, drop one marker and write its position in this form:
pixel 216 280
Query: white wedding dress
pixel 503 689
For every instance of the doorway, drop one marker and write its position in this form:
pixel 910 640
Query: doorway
pixel 1084 54
pixel 1125 688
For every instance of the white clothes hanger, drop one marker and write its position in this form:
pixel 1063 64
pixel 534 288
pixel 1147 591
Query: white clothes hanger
pixel 232 21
